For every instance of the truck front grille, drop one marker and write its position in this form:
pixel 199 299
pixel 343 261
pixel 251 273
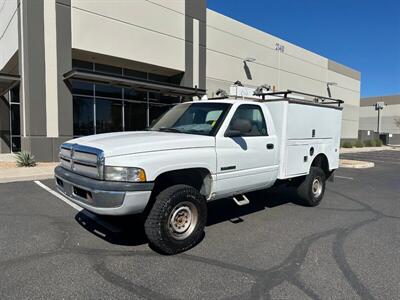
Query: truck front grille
pixel 87 161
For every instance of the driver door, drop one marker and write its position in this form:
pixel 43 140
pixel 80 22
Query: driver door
pixel 246 153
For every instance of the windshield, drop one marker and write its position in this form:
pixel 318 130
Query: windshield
pixel 193 118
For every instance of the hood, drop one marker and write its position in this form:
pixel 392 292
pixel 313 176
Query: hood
pixel 123 143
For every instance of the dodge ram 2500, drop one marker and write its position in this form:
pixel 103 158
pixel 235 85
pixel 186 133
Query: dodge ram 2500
pixel 202 151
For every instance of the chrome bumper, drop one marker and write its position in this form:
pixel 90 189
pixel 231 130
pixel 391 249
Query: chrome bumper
pixel 103 197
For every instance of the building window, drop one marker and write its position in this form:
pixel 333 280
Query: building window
pixel 15 122
pixel 108 115
pixel 100 108
pixel 135 115
pixel 83 115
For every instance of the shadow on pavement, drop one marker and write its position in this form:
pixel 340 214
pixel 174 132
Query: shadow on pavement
pixel 125 231
pixel 226 210
pixel 129 230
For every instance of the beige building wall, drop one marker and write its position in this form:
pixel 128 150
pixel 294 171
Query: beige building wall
pixel 278 63
pixel 151 32
pixel 50 38
pixel 8 32
pixel 369 116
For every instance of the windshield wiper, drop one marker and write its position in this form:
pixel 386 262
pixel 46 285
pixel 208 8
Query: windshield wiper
pixel 169 129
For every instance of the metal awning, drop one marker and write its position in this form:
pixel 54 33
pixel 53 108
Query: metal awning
pixel 134 83
pixel 7 82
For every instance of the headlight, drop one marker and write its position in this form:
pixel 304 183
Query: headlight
pixel 124 174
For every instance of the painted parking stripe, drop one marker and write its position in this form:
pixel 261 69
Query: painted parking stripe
pixel 95 218
pixel 344 177
pixel 59 196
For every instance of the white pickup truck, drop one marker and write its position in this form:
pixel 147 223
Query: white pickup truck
pixel 202 151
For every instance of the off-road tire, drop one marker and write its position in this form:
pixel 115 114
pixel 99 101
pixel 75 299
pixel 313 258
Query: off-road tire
pixel 157 225
pixel 306 190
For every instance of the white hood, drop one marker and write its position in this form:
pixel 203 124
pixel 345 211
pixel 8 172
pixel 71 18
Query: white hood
pixel 123 143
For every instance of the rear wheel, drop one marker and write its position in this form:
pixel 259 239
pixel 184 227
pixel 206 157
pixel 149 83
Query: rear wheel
pixel 177 219
pixel 312 189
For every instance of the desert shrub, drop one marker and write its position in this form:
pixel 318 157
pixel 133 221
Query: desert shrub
pixel 25 159
pixel 370 143
pixel 359 144
pixel 378 143
pixel 347 144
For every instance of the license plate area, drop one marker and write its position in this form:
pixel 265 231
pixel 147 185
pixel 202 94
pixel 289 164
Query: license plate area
pixel 82 193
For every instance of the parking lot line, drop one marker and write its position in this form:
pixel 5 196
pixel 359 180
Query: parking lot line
pixel 59 196
pixel 95 218
pixel 344 177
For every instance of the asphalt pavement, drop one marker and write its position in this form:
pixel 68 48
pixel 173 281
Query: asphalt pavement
pixel 273 248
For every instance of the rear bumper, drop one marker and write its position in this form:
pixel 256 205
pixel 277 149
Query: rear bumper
pixel 103 197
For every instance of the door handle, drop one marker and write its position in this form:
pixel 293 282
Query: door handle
pixel 270 146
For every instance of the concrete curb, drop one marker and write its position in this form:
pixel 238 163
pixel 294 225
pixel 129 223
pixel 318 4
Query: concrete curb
pixel 26 174
pixel 355 164
pixel 368 149
pixel 27 178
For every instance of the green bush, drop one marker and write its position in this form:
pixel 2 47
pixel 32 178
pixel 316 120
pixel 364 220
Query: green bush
pixel 370 143
pixel 378 143
pixel 347 144
pixel 359 144
pixel 25 159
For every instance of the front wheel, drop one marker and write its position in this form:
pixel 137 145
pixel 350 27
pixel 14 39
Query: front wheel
pixel 177 219
pixel 312 189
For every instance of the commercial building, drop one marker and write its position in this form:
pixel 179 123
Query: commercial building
pixel 75 67
pixel 380 116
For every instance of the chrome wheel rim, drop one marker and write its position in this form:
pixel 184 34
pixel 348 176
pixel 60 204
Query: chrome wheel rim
pixel 316 187
pixel 182 220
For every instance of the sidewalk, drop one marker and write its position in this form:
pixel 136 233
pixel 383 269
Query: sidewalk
pixel 9 172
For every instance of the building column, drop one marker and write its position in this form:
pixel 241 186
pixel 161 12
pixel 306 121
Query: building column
pixel 195 46
pixel 44 56
pixel 64 64
pixel 33 89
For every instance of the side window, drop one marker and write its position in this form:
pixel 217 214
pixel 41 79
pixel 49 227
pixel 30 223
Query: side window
pixel 249 120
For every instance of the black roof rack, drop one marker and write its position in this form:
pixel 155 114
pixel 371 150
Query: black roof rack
pixel 316 99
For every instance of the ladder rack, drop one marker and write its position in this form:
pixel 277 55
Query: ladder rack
pixel 286 95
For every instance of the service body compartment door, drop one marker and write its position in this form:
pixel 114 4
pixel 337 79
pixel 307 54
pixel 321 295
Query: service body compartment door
pixel 249 161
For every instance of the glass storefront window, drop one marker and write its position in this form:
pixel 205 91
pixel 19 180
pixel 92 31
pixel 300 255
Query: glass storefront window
pixel 15 120
pixel 82 88
pixel 135 74
pixel 16 144
pixel 107 91
pixel 132 94
pixel 83 116
pixel 108 69
pixel 135 115
pixel 160 98
pixel 14 95
pixel 102 108
pixel 108 115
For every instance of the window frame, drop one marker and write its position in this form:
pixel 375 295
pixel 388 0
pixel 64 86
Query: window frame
pixel 262 115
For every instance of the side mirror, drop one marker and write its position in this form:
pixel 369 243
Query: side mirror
pixel 232 133
pixel 239 127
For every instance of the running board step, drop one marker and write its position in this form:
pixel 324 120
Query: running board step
pixel 243 201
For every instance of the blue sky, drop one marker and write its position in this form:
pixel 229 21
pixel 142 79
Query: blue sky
pixel 362 34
